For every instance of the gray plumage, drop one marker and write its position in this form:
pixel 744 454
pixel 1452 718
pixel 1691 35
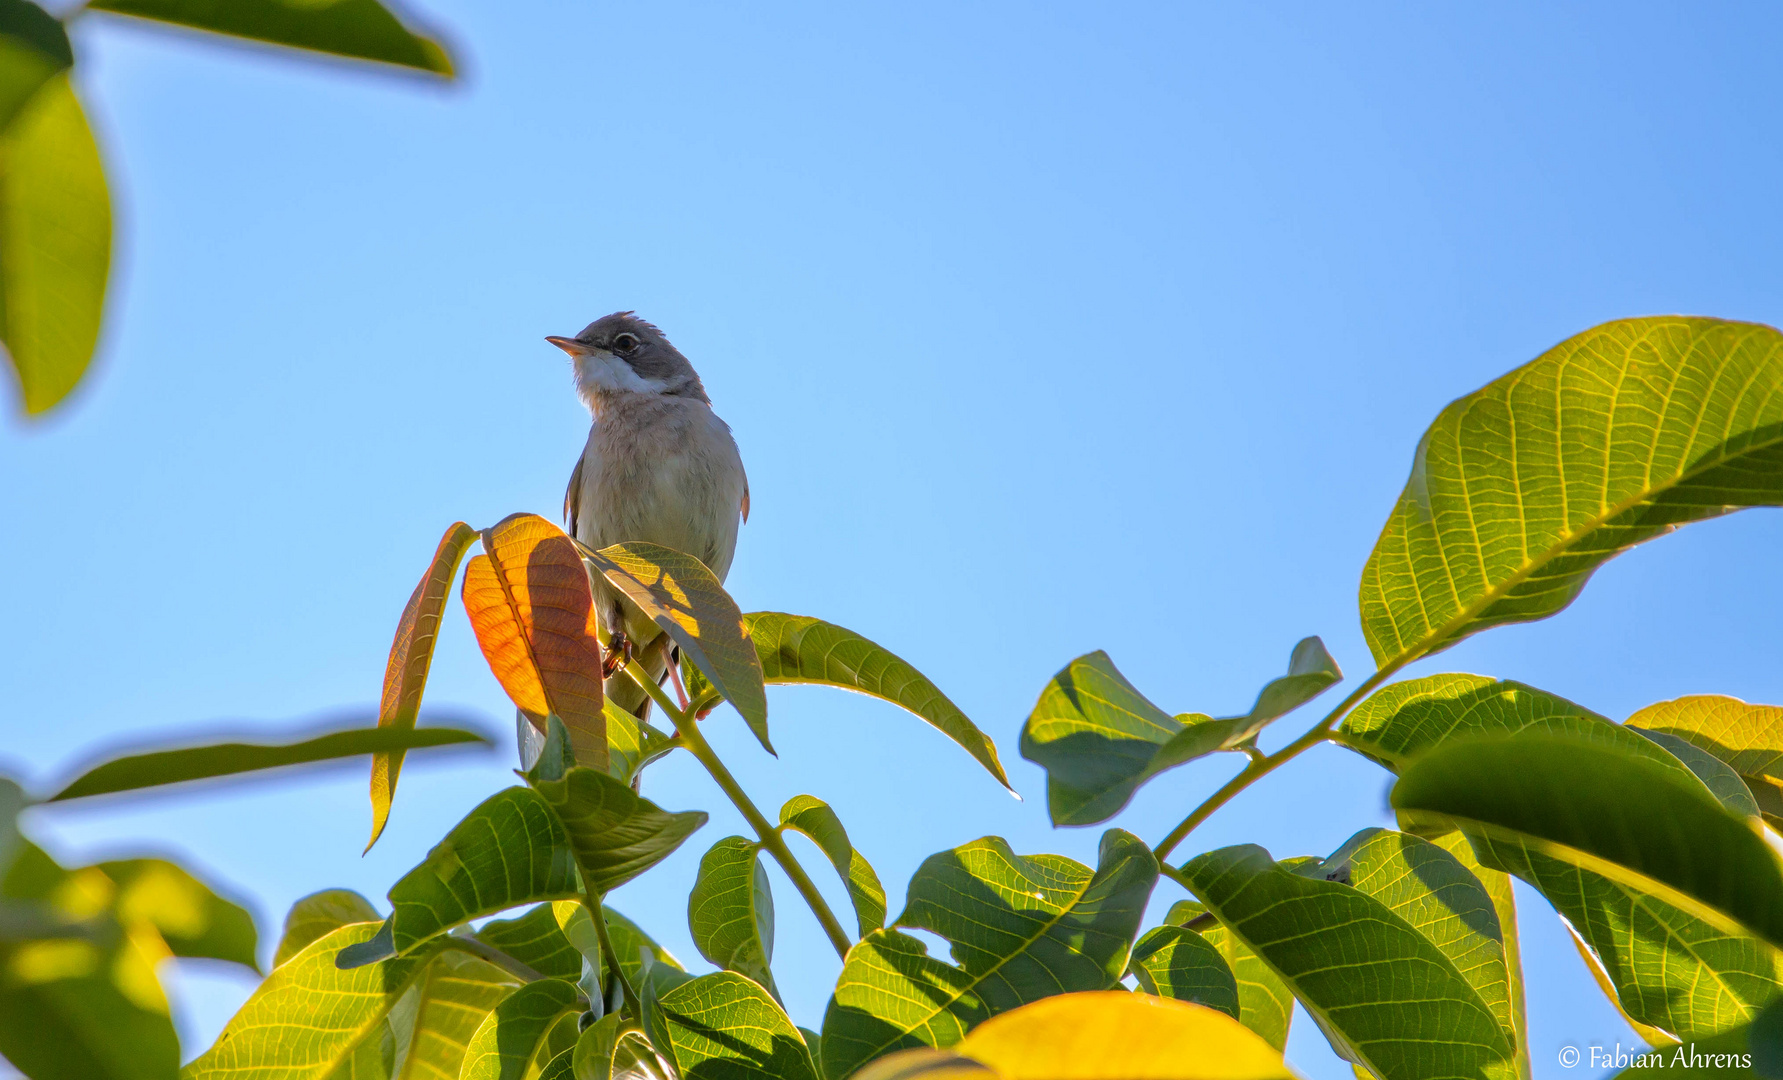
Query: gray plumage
pixel 659 466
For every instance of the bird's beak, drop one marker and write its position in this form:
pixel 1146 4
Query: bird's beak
pixel 568 345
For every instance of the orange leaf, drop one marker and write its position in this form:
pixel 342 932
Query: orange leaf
pixel 411 655
pixel 530 604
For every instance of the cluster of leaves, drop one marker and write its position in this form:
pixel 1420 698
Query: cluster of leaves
pixel 1653 838
pixel 55 207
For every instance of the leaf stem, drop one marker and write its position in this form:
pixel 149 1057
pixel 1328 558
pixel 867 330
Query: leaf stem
pixel 1259 767
pixel 765 831
pixel 610 955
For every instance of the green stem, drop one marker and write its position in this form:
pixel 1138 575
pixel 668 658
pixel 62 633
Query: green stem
pixel 1259 767
pixel 768 835
pixel 609 954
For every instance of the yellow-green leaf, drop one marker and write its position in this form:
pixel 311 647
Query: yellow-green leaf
pixel 813 817
pixel 1748 738
pixel 731 911
pixel 321 913
pixel 725 1027
pixel 1522 489
pixel 33 47
pixel 521 1035
pixel 55 243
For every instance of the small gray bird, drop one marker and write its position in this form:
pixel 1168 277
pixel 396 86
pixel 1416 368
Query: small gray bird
pixel 659 467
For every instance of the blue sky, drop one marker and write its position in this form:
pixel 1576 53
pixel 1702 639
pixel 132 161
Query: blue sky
pixel 1043 328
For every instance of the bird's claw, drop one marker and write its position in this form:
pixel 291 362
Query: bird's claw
pixel 618 654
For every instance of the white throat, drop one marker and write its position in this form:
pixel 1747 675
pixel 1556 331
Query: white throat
pixel 599 371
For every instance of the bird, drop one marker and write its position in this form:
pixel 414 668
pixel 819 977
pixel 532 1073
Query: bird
pixel 659 466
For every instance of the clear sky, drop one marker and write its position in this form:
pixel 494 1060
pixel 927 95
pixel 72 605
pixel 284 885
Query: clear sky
pixel 1043 328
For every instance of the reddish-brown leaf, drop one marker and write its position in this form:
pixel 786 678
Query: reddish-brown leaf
pixel 533 612
pixel 411 655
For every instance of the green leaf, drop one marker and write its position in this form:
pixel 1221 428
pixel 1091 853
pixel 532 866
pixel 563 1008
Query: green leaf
pixel 321 913
pixel 1354 963
pixel 356 29
pixel 891 996
pixel 614 1049
pixel 537 940
pixel 1440 898
pixel 1099 739
pixel 55 243
pixel 1522 489
pixel 1744 1053
pixel 160 767
pixel 1265 1004
pixel 1749 738
pixel 411 658
pixel 678 594
pixel 1497 884
pixel 530 1027
pixel 1020 927
pixel 33 47
pixel 800 649
pixel 813 817
pixel 509 851
pixel 311 1018
pixel 188 914
pixel 1401 721
pixel 1597 808
pixel 1175 962
pixel 616 833
pixel 731 911
pixel 631 745
pixel 633 945
pixel 724 1026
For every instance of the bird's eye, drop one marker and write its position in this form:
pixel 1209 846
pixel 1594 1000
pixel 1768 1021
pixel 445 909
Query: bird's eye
pixel 625 343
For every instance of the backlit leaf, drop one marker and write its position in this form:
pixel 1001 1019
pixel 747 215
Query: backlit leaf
pixel 537 940
pixel 1749 738
pixel 613 1048
pixel 1099 739
pixel 318 914
pixel 521 1035
pixel 1021 928
pixel 1522 489
pixel 1111 1035
pixel 813 817
pixel 509 851
pixel 679 594
pixel 357 29
pixel 55 242
pixel 158 768
pixel 725 1027
pixel 616 833
pixel 531 606
pixel 1175 962
pixel 411 657
pixel 309 1016
pixel 1354 963
pixel 1265 1004
pixel 1597 808
pixel 731 911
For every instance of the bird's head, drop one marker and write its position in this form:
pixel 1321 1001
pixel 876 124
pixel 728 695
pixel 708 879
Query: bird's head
pixel 623 354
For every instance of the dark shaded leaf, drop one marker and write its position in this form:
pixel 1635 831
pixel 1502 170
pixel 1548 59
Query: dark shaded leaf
pixel 1749 738
pixel 1265 1004
pixel 158 768
pixel 537 940
pixel 1175 962
pixel 616 833
pixel 356 29
pixel 33 47
pixel 530 1027
pixel 1597 808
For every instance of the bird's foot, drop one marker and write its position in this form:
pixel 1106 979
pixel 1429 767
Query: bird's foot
pixel 618 654
pixel 680 687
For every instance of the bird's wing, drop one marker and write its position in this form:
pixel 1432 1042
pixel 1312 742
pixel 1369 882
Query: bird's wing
pixel 572 499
